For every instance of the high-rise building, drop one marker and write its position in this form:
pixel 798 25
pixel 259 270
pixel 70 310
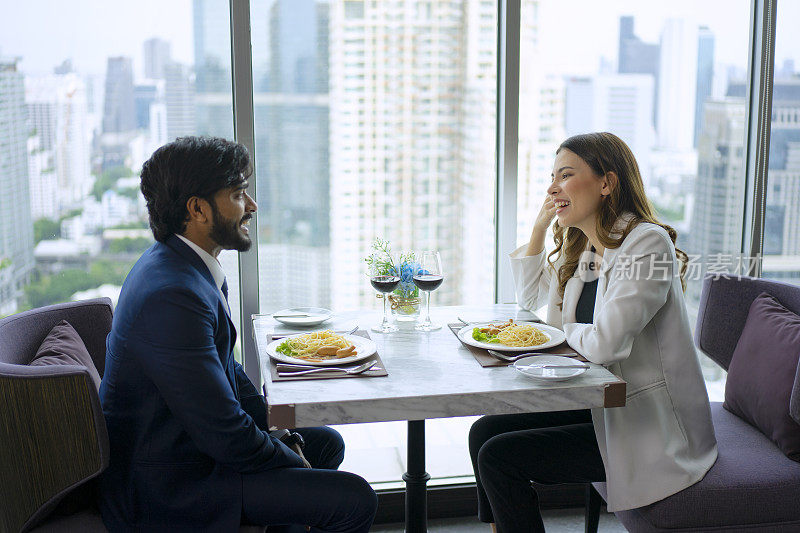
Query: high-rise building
pixel 403 81
pixel 212 64
pixel 705 76
pixel 119 112
pixel 716 221
pixel 145 94
pixel 156 58
pixel 619 103
pixel 292 136
pixel 65 67
pixel 179 100
pixel 677 80
pixel 786 70
pixel 295 172
pixel 16 227
pixel 58 115
pixel 42 180
pixel 158 125
pixel 638 57
pixel 782 216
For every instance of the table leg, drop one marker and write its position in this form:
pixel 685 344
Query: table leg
pixel 416 479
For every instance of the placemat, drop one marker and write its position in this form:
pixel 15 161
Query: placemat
pixel 484 359
pixel 372 373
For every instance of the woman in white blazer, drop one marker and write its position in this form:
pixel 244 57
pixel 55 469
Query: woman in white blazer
pixel 615 286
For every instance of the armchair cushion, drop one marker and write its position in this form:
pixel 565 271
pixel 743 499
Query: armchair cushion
pixel 63 346
pixel 751 487
pixel 762 372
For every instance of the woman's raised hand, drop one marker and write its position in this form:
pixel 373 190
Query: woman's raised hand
pixel 546 214
pixel 543 220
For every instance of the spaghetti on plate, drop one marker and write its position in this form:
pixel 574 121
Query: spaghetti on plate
pixel 511 334
pixel 307 346
pixel 520 335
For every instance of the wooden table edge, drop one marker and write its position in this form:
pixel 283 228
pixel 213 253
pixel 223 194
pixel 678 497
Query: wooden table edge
pixel 614 394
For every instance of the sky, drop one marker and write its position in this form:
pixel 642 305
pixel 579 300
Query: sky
pixel 44 32
pixel 578 42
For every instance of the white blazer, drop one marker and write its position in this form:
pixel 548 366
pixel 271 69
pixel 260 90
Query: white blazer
pixel 662 441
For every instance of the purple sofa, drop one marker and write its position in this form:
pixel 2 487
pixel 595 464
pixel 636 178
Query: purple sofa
pixel 753 486
pixel 53 439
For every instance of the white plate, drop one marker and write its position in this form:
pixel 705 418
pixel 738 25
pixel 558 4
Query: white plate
pixel 548 374
pixel 317 315
pixel 364 348
pixel 556 337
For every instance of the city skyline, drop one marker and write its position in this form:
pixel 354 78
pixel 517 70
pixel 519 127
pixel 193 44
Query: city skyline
pixel 344 133
pixel 174 24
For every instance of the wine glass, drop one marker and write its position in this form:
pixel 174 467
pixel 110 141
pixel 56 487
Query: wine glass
pixel 384 280
pixel 427 277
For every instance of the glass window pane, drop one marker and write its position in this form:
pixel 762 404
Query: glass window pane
pixel 669 80
pixel 79 116
pixel 373 119
pixel 781 247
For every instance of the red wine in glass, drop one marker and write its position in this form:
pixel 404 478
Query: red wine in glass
pixel 427 277
pixel 428 282
pixel 385 284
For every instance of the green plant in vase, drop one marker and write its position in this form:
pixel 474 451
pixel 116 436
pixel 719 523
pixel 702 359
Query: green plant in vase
pixel 404 300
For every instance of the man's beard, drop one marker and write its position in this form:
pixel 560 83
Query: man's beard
pixel 226 233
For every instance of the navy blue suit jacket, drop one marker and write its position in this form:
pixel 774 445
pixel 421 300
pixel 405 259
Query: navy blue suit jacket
pixel 183 420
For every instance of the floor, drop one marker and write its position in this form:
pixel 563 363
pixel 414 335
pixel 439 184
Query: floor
pixel 378 452
pixel 555 521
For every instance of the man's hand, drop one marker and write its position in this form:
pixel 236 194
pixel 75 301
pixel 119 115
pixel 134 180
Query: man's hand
pixel 296 449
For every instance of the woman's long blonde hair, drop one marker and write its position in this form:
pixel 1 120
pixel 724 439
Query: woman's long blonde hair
pixel 604 153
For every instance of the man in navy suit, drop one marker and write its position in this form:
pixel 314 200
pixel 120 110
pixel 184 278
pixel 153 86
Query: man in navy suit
pixel 190 447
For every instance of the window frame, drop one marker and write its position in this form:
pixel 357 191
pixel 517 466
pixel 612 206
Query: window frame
pixel 760 66
pixel 756 145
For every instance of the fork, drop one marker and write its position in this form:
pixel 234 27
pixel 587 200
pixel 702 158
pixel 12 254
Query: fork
pixel 289 367
pixel 500 320
pixel 539 365
pixel 512 358
pixel 357 370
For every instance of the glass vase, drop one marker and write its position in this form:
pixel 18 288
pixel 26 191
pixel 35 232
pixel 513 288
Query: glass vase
pixel 405 309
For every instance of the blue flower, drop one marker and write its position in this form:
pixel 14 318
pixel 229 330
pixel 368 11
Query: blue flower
pixel 407 273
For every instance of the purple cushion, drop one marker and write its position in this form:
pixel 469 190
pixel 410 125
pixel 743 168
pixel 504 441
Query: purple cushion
pixel 762 372
pixel 63 346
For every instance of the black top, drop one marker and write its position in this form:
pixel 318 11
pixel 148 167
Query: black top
pixel 584 311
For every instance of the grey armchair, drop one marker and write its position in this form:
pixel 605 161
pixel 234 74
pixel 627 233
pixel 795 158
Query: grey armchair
pixel 753 486
pixel 53 438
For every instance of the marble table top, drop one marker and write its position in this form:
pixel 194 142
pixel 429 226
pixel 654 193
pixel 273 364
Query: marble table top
pixel 431 375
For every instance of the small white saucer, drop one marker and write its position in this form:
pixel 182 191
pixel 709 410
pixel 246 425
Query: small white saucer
pixel 313 316
pixel 548 374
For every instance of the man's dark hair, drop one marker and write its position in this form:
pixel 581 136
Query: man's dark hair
pixel 186 167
